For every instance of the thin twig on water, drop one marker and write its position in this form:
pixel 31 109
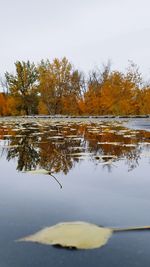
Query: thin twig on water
pixel 56 180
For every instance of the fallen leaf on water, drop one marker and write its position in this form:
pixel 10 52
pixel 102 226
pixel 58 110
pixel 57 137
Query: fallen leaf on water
pixel 79 235
pixel 80 154
pixel 109 143
pixel 39 171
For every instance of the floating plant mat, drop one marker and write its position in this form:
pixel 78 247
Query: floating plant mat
pixel 80 235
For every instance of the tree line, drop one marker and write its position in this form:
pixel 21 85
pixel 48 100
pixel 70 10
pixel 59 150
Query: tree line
pixel 58 88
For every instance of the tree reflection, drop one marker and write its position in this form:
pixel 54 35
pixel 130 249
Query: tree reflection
pixel 25 150
pixel 57 147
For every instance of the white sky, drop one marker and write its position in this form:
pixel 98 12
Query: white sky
pixel 87 32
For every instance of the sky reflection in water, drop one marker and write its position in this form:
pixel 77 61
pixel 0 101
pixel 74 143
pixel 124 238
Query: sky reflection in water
pixel 104 170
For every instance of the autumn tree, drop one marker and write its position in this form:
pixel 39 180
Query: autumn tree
pixel 93 96
pixel 59 86
pixel 144 100
pixel 23 86
pixel 113 92
pixel 3 105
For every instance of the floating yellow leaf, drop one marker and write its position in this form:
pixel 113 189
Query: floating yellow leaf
pixel 38 171
pixel 79 235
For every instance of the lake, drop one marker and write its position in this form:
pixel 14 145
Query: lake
pixel 100 174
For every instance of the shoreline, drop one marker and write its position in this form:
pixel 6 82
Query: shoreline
pixel 80 117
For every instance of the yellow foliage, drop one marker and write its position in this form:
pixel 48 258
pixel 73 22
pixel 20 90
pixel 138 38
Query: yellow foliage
pixel 42 109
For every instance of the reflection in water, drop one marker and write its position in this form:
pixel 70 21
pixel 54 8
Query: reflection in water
pixel 58 145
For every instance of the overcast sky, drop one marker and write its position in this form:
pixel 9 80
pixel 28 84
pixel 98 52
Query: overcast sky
pixel 87 32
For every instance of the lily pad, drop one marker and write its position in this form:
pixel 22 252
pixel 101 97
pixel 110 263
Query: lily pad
pixel 80 235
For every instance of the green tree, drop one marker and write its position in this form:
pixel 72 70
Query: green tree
pixel 23 86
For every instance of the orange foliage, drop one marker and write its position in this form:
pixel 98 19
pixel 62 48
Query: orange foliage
pixel 13 103
pixel 42 108
pixel 58 88
pixel 3 105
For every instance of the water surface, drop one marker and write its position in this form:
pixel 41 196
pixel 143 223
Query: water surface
pixel 103 167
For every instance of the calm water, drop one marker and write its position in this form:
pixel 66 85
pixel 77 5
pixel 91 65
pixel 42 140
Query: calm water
pixel 103 168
